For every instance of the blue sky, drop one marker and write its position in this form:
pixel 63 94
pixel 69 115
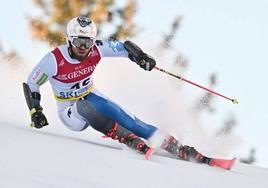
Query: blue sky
pixel 227 37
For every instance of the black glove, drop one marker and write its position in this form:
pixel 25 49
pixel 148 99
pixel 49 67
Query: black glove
pixel 146 62
pixel 39 120
pixel 136 54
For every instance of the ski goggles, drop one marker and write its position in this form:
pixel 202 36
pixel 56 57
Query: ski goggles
pixel 82 41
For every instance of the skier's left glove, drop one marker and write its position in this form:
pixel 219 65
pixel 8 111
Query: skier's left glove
pixel 39 120
pixel 146 61
pixel 136 54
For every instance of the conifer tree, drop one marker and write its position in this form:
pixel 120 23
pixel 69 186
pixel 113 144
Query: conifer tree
pixel 50 25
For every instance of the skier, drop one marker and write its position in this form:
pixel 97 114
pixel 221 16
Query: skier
pixel 69 69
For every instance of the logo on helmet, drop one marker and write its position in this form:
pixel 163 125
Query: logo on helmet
pixel 83 21
pixel 83 31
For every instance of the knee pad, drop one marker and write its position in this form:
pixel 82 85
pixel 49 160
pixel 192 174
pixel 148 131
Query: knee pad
pixel 95 119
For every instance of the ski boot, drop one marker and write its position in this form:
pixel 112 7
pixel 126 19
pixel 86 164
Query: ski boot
pixel 183 152
pixel 188 153
pixel 125 136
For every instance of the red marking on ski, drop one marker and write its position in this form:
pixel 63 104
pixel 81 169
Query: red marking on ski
pixel 149 153
pixel 222 163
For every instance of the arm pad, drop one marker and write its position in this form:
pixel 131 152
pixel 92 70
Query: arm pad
pixel 32 98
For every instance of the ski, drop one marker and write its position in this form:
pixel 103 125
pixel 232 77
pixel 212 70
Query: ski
pixel 187 153
pixel 222 163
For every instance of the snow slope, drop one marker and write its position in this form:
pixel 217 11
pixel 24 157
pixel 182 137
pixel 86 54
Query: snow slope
pixel 57 157
pixel 43 158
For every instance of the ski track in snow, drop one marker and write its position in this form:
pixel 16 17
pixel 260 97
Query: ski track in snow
pixel 53 157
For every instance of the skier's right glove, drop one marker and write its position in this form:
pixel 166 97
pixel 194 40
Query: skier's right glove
pixel 39 120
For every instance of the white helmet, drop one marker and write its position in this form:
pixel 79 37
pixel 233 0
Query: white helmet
pixel 81 27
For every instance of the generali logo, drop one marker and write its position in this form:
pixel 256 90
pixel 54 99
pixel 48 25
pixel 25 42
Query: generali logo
pixel 61 63
pixel 79 67
pixel 93 53
pixel 77 73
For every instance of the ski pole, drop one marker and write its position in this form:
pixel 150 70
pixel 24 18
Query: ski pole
pixel 234 101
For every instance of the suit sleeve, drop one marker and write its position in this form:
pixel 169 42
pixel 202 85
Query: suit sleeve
pixel 111 48
pixel 41 73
